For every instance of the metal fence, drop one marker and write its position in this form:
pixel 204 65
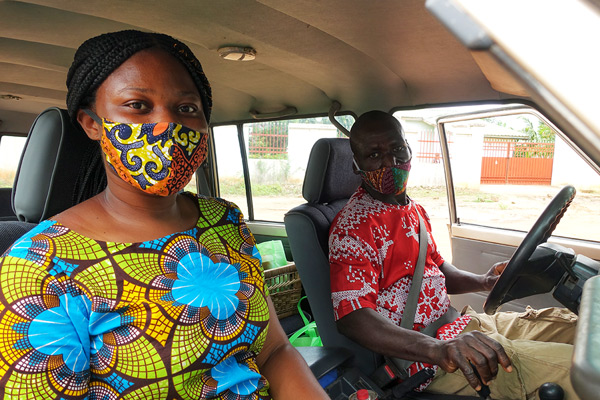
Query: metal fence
pixel 429 150
pixel 520 163
pixel 268 140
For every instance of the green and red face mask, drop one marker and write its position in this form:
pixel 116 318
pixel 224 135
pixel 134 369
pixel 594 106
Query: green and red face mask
pixel 387 180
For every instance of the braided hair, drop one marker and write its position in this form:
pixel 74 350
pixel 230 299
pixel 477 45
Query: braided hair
pixel 99 56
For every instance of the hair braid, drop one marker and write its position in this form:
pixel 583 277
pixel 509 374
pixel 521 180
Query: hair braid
pixel 99 56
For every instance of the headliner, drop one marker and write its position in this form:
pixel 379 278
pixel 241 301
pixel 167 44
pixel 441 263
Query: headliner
pixel 365 54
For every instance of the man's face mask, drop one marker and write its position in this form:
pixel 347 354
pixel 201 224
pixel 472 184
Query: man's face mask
pixel 158 158
pixel 387 180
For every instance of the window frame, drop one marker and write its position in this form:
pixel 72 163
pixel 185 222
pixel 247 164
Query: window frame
pixel 260 226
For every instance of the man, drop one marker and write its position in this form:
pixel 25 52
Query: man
pixel 374 245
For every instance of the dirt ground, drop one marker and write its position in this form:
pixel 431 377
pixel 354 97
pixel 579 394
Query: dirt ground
pixel 511 207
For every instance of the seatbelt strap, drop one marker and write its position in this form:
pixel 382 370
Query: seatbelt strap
pixel 408 316
pixel 393 367
pixel 399 365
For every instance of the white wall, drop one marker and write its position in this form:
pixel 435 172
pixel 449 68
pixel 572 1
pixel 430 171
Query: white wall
pixel 569 168
pixel 466 151
pixel 301 138
pixel 423 173
pixel 228 152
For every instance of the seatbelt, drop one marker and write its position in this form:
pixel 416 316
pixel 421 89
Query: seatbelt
pixel 397 365
pixel 408 316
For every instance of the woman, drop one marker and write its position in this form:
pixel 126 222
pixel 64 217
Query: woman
pixel 143 291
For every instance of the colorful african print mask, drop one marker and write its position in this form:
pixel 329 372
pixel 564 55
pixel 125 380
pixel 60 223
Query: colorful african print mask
pixel 387 180
pixel 158 158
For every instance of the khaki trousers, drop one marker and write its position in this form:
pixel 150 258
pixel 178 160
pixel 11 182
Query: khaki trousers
pixel 539 344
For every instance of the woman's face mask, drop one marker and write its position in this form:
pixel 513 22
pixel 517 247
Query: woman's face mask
pixel 387 180
pixel 158 158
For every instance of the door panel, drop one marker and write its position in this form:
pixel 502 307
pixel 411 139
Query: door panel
pixel 477 256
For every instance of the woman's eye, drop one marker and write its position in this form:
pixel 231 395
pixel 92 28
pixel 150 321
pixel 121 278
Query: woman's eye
pixel 188 108
pixel 137 105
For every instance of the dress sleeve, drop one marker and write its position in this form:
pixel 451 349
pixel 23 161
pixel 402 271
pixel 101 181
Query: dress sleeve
pixel 354 270
pixel 45 347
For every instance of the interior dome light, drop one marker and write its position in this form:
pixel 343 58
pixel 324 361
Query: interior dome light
pixel 237 53
pixel 9 97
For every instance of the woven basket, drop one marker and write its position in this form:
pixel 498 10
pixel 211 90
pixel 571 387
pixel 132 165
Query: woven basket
pixel 285 289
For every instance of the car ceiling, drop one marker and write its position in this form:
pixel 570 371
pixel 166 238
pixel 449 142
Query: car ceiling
pixel 365 54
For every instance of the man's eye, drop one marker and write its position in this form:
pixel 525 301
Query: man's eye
pixel 187 108
pixel 374 155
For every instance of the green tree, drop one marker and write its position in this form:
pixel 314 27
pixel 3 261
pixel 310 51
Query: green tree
pixel 541 133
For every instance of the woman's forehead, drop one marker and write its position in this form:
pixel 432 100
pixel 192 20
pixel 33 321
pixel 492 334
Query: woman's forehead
pixel 149 69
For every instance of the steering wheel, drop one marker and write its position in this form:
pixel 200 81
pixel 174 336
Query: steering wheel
pixel 538 234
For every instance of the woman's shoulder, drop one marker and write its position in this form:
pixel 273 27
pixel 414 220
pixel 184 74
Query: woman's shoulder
pixel 217 208
pixel 28 246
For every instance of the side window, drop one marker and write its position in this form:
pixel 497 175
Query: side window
pixel 276 153
pixel 230 167
pixel 11 148
pixel 426 182
pixel 506 169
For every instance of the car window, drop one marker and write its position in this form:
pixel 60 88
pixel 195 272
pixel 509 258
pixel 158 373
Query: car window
pixel 426 182
pixel 229 166
pixel 276 154
pixel 11 148
pixel 506 169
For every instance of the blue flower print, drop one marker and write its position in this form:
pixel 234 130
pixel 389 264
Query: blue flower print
pixel 236 377
pixel 62 331
pixel 203 283
pixel 25 248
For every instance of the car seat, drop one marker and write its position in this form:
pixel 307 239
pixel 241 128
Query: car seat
pixel 328 184
pixel 60 167
pixel 6 212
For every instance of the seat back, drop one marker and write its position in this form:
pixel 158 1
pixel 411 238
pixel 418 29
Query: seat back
pixel 328 184
pixel 6 211
pixel 60 167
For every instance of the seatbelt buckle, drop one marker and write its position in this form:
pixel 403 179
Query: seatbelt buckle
pixel 384 376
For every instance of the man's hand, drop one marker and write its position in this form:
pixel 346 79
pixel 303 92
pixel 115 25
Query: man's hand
pixel 473 350
pixel 490 278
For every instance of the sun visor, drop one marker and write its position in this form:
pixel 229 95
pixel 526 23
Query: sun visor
pixel 500 79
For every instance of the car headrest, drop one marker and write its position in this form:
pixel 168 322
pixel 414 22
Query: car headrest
pixel 329 174
pixel 60 167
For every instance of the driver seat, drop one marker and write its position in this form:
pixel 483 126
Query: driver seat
pixel 328 184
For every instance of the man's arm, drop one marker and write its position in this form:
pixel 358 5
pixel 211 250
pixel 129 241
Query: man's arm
pixel 371 330
pixel 459 281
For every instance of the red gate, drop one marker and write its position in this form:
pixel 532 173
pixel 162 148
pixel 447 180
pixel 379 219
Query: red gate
pixel 518 163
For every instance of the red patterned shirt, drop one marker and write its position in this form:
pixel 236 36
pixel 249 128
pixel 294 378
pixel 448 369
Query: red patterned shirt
pixel 373 249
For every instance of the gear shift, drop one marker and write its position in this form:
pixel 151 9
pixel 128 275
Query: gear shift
pixel 551 391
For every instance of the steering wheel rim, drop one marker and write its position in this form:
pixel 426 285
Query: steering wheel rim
pixel 538 234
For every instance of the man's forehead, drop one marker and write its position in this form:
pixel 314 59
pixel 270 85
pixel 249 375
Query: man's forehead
pixel 378 135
